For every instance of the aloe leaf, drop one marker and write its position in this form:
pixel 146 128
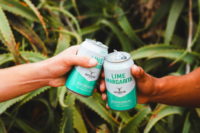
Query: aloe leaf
pixel 164 51
pixel 33 56
pixel 187 124
pixel 189 58
pixel 78 122
pixel 15 7
pixel 149 50
pixel 134 123
pixel 5 58
pixel 159 113
pixel 30 34
pixel 90 29
pixel 8 37
pixel 37 13
pixel 175 11
pixel 66 125
pixel 2 127
pixel 63 43
pixel 33 94
pixel 197 34
pixel 23 125
pixel 5 105
pixel 161 12
pixel 126 26
pixel 125 42
pixel 93 103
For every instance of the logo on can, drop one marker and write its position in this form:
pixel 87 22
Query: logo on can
pixel 83 80
pixel 120 84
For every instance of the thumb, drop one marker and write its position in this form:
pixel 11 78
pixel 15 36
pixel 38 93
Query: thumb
pixel 138 72
pixel 82 61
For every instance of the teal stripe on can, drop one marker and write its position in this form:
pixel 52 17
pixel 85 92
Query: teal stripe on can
pixel 126 102
pixel 78 84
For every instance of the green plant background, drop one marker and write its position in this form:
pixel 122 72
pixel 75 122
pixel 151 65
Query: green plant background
pixel 162 36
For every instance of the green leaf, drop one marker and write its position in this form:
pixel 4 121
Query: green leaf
pixel 134 123
pixel 8 37
pixel 37 13
pixel 33 56
pixel 174 14
pixel 23 125
pixel 15 7
pixel 189 57
pixel 197 34
pixel 125 42
pixel 90 29
pixel 33 94
pixel 126 26
pixel 160 13
pixel 63 43
pixel 67 13
pixel 2 127
pixel 5 58
pixel 66 125
pixel 149 50
pixel 78 122
pixel 5 105
pixel 30 34
pixel 187 124
pixel 93 103
pixel 159 113
pixel 164 51
pixel 61 91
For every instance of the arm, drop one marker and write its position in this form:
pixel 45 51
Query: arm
pixel 173 90
pixel 21 79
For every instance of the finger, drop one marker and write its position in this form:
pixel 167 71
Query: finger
pixel 72 50
pixel 137 72
pixel 57 82
pixel 142 100
pixel 82 61
pixel 102 75
pixel 102 86
pixel 107 106
pixel 104 96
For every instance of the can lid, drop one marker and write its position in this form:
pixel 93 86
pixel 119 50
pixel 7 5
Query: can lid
pixel 100 44
pixel 118 56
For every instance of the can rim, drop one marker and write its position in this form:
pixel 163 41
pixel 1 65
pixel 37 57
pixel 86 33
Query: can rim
pixel 98 43
pixel 129 57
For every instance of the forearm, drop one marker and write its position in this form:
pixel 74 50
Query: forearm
pixel 21 79
pixel 179 90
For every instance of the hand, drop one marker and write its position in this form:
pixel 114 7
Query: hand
pixel 146 85
pixel 56 67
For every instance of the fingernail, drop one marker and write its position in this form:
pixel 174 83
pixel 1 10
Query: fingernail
pixel 93 62
pixel 136 68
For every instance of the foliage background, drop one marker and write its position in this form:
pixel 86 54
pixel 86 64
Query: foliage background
pixel 162 36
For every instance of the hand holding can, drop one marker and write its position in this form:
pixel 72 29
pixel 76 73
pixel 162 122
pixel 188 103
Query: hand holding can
pixel 82 80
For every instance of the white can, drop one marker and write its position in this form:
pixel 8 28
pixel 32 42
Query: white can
pixel 120 84
pixel 83 80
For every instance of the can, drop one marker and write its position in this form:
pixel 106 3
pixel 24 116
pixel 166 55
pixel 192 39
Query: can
pixel 83 80
pixel 120 84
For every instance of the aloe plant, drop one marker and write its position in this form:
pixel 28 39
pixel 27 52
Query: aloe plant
pixel 31 31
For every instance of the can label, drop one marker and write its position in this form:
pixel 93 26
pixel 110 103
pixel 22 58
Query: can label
pixel 83 80
pixel 120 89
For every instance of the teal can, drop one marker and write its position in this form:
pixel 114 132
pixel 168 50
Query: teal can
pixel 82 80
pixel 120 84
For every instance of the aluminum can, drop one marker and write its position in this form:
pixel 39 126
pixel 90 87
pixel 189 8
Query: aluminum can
pixel 83 80
pixel 120 84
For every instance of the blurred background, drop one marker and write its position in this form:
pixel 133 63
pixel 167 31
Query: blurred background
pixel 163 37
